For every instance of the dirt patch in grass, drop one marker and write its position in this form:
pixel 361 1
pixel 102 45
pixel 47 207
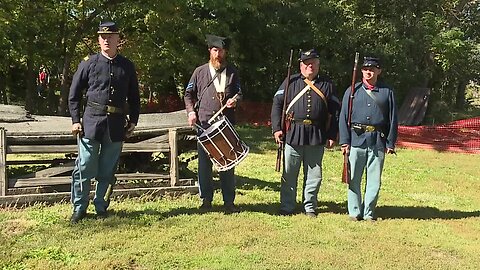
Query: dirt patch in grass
pixel 16 227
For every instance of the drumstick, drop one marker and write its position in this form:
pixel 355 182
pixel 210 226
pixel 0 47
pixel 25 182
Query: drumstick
pixel 220 111
pixel 199 127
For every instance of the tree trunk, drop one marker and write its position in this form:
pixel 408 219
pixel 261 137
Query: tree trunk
pixel 3 88
pixel 7 81
pixel 428 68
pixel 30 85
pixel 460 95
pixel 65 86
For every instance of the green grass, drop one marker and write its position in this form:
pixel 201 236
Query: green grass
pixel 429 206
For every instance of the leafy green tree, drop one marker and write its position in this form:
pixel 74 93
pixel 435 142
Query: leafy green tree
pixel 426 43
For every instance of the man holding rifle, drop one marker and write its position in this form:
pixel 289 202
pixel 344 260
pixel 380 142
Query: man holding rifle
pixel 311 124
pixel 368 130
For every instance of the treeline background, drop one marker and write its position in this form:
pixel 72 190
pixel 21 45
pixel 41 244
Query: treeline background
pixel 422 43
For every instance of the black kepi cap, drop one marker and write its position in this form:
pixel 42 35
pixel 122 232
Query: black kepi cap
pixel 107 28
pixel 369 61
pixel 218 42
pixel 305 55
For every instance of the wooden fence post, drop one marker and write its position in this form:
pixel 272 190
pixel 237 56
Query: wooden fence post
pixel 174 172
pixel 3 163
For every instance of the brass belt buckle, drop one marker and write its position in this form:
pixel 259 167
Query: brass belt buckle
pixel 369 128
pixel 112 109
pixel 307 121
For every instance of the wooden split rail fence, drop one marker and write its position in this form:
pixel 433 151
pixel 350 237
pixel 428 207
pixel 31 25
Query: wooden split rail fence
pixel 52 183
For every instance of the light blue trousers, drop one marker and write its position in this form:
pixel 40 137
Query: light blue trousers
pixel 311 156
pixel 205 179
pixel 96 160
pixel 371 160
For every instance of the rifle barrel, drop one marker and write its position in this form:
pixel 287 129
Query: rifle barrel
pixel 284 108
pixel 346 164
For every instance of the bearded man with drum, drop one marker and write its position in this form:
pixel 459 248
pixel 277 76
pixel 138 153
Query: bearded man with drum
pixel 212 86
pixel 312 112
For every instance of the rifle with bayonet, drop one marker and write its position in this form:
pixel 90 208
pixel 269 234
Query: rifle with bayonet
pixel 283 125
pixel 346 163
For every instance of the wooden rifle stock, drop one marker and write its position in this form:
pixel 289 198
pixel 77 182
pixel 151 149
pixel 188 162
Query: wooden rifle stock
pixel 281 145
pixel 346 169
pixel 278 164
pixel 346 163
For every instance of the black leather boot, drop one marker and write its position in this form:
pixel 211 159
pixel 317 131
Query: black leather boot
pixel 77 216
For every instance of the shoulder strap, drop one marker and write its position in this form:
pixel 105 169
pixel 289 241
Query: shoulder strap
pixel 309 83
pixel 205 89
pixel 296 98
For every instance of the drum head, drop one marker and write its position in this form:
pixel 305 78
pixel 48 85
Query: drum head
pixel 213 129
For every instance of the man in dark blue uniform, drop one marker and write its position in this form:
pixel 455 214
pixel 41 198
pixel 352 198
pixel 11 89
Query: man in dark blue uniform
pixel 110 82
pixel 211 86
pixel 313 110
pixel 371 134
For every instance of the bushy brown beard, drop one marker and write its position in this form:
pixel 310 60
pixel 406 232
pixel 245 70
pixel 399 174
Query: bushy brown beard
pixel 217 63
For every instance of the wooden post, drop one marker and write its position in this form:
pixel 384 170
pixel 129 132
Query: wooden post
pixel 172 140
pixel 3 163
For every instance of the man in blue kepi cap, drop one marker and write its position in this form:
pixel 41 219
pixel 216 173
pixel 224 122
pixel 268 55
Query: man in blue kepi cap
pixel 312 109
pixel 110 83
pixel 369 61
pixel 107 28
pixel 212 86
pixel 371 134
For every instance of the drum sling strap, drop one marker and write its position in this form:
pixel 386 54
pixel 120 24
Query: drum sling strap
pixel 197 104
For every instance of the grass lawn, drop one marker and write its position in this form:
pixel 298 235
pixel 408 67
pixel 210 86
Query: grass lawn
pixel 429 205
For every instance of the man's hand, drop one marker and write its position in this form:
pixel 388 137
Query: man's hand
pixel 77 129
pixel 231 103
pixel 345 149
pixel 192 118
pixel 391 151
pixel 129 129
pixel 278 136
pixel 330 143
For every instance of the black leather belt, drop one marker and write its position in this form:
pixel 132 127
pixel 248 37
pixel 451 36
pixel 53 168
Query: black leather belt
pixel 306 122
pixel 366 128
pixel 104 108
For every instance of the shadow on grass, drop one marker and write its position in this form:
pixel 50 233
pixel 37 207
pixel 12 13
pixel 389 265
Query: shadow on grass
pixel 266 208
pixel 271 209
pixel 384 212
pixel 252 184
pixel 422 212
pixel 401 212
